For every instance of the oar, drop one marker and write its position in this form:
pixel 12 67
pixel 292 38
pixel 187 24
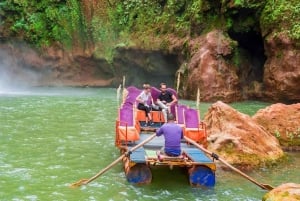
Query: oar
pixel 263 186
pixel 86 181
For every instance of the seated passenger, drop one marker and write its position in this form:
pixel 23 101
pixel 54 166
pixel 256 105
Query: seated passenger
pixel 173 134
pixel 143 99
pixel 165 100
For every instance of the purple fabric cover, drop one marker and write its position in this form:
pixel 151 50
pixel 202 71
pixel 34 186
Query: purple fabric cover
pixel 133 92
pixel 127 105
pixel 126 115
pixel 191 118
pixel 180 112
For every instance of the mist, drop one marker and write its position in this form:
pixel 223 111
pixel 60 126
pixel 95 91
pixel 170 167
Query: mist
pixel 18 77
pixel 14 74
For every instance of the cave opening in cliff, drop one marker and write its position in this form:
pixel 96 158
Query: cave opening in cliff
pixel 251 49
pixel 142 66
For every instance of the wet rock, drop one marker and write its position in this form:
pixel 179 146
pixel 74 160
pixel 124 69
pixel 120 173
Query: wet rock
pixel 282 121
pixel 239 139
pixel 282 71
pixel 284 192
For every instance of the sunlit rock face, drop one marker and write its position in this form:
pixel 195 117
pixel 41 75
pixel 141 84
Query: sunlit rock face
pixel 238 138
pixel 209 70
pixel 284 192
pixel 282 121
pixel 282 69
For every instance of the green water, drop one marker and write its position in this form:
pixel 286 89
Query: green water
pixel 52 137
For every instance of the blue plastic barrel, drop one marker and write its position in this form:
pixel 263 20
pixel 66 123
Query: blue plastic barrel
pixel 140 173
pixel 201 176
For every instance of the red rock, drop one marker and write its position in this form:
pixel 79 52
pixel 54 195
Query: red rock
pixel 209 71
pixel 282 121
pixel 238 138
pixel 282 69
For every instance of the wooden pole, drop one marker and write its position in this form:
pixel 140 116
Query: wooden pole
pixel 86 181
pixel 118 95
pixel 198 102
pixel 178 82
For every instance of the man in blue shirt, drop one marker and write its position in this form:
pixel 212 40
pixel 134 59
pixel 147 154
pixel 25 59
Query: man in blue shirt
pixel 173 134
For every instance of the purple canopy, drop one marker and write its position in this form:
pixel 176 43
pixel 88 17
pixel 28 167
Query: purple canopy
pixel 133 92
pixel 173 91
pixel 180 112
pixel 126 115
pixel 191 118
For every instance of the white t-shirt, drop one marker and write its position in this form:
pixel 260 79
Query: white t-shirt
pixel 145 97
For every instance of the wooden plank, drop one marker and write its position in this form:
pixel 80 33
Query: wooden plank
pixel 196 155
pixel 138 156
pixel 156 143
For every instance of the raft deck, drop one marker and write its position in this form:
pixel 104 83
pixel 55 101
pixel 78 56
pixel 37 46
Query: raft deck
pixel 148 154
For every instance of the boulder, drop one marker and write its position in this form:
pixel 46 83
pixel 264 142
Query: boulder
pixel 209 69
pixel 281 70
pixel 284 192
pixel 237 138
pixel 282 121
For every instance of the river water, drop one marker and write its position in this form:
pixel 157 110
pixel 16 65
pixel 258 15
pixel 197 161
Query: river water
pixel 52 137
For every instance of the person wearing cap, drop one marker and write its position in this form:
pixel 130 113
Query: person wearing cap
pixel 143 99
pixel 165 100
pixel 173 134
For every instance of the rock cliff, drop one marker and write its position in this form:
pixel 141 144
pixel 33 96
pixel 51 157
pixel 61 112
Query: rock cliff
pixel 230 50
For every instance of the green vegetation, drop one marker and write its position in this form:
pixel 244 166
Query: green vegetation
pixel 282 16
pixel 104 38
pixel 179 17
pixel 289 138
pixel 277 133
pixel 108 24
pixel 44 22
